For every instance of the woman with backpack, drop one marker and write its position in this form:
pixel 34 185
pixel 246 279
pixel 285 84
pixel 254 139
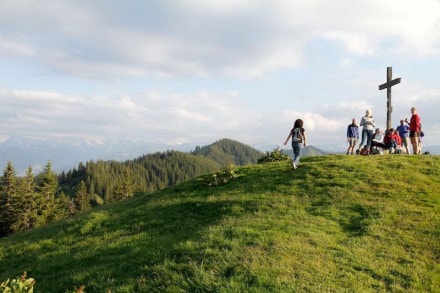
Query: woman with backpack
pixel 299 140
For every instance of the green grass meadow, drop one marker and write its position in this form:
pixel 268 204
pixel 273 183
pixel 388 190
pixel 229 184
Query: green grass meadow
pixel 336 224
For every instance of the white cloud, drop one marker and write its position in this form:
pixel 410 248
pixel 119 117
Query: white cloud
pixel 356 44
pixel 151 114
pixel 15 46
pixel 205 38
pixel 188 70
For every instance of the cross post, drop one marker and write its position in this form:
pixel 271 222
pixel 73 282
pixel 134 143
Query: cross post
pixel 390 82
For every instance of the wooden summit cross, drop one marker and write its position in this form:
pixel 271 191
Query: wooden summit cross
pixel 390 82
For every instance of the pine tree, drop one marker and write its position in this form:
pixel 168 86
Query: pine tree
pixel 82 198
pixel 47 187
pixel 8 191
pixel 108 195
pixel 67 205
pixel 25 203
pixel 124 187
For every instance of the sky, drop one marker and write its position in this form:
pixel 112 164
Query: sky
pixel 193 71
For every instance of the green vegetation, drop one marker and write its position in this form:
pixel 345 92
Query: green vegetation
pixel 275 155
pixel 110 181
pixel 222 176
pixel 336 224
pixel 20 284
pixel 30 202
pixel 228 151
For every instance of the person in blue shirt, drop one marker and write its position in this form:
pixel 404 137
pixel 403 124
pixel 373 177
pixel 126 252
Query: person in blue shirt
pixel 403 130
pixel 352 136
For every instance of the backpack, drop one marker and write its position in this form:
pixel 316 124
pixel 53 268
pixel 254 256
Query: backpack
pixel 364 151
pixel 297 135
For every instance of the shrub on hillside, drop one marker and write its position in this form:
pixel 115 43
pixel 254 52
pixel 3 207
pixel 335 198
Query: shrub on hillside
pixel 23 285
pixel 223 176
pixel 275 155
pixel 18 285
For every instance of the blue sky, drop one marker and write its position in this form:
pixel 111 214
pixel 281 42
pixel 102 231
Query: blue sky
pixel 194 71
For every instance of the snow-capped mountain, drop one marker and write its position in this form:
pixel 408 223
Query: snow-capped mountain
pixel 27 152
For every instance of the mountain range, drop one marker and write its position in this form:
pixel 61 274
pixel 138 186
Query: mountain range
pixel 64 155
pixel 35 153
pixel 27 152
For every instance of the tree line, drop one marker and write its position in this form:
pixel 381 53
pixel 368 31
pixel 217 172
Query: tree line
pixel 35 200
pixel 30 201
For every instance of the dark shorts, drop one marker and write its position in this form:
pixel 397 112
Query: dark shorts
pixel 413 134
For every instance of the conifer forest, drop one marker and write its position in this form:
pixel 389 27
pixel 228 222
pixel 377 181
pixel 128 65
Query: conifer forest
pixel 34 200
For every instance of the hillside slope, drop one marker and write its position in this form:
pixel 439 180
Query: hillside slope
pixel 338 223
pixel 156 171
pixel 227 151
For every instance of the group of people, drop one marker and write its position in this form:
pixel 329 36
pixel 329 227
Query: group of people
pixel 393 140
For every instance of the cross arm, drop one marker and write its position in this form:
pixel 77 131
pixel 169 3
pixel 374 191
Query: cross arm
pixel 389 84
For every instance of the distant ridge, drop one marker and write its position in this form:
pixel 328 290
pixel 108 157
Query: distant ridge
pixel 226 151
pixel 152 172
pixel 27 152
pixel 308 151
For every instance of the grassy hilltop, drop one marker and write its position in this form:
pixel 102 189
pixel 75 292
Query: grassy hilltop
pixel 338 223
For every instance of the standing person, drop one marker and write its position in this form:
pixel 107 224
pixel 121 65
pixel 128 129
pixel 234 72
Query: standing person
pixel 299 140
pixel 415 126
pixel 404 134
pixel 368 124
pixel 352 136
pixel 422 135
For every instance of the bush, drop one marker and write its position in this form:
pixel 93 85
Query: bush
pixel 23 285
pixel 18 285
pixel 275 155
pixel 223 176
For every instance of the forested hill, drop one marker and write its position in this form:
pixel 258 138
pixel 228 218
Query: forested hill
pixel 111 181
pixel 101 182
pixel 227 151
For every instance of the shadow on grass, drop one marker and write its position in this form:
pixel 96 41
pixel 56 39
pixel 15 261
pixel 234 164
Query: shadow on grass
pixel 358 220
pixel 354 219
pixel 118 246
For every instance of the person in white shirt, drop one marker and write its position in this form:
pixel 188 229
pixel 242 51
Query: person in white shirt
pixel 368 124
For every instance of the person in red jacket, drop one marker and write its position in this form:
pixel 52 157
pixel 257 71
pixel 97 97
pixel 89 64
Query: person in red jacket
pixel 415 127
pixel 390 140
pixel 399 143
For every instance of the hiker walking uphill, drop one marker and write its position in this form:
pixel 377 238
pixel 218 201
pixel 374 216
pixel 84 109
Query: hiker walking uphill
pixel 299 139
